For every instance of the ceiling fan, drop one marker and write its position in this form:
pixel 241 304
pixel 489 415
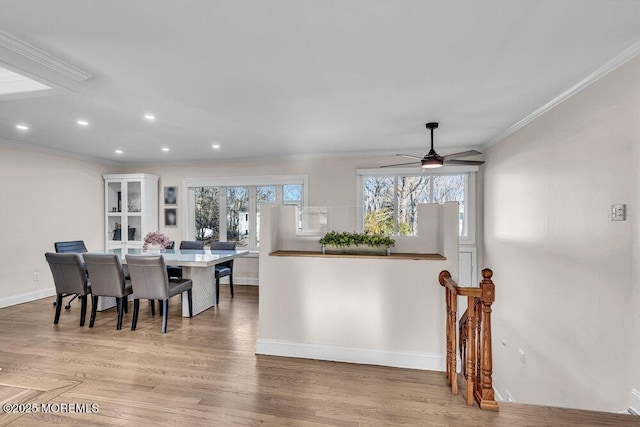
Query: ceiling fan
pixel 434 160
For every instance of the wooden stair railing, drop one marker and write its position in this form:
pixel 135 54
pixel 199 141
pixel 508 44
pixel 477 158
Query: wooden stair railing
pixel 475 338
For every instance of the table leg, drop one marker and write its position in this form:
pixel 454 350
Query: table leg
pixel 203 291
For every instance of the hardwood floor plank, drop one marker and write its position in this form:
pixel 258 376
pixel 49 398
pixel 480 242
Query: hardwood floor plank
pixel 204 372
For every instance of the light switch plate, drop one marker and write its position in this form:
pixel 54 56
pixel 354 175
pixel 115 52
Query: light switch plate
pixel 618 212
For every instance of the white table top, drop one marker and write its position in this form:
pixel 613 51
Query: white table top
pixel 188 258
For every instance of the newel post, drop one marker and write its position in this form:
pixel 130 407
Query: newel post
pixel 451 302
pixel 485 396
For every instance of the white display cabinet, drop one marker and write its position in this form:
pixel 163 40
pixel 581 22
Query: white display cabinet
pixel 131 204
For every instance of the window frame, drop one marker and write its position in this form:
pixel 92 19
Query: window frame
pixel 470 193
pixel 190 184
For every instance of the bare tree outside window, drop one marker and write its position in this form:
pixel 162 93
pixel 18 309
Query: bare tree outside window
pixel 207 212
pixel 412 190
pixel 238 215
pixel 236 220
pixel 381 201
pixel 378 205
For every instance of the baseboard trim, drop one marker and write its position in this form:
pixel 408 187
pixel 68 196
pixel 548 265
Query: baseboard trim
pixel 253 281
pixel 422 361
pixel 634 404
pixel 31 296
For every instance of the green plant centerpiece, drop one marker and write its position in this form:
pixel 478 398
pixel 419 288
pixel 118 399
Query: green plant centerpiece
pixel 356 243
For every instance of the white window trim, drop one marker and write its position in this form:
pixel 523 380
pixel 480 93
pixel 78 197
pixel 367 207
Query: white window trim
pixel 190 184
pixel 470 196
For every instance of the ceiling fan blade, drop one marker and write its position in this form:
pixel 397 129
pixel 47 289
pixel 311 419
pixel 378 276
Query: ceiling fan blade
pixel 462 154
pixel 463 162
pixel 409 156
pixel 401 164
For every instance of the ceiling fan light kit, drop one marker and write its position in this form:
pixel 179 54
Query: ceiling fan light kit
pixel 433 160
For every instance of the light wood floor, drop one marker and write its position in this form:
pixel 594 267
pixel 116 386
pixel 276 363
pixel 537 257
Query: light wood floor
pixel 204 372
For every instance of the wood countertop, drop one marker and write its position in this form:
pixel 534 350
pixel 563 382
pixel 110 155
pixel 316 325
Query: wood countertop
pixel 405 256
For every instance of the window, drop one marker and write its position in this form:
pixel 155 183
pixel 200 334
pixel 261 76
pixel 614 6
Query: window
pixel 207 213
pixel 229 208
pixel 390 202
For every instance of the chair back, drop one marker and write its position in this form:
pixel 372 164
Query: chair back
pixel 224 246
pixel 69 275
pixel 107 274
pixel 149 278
pixel 71 246
pixel 171 245
pixel 192 244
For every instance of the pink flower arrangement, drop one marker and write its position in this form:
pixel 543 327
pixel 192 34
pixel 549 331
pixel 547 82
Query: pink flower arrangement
pixel 156 238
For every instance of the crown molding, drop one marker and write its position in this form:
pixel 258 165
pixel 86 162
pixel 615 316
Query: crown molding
pixel 34 54
pixel 56 152
pixel 617 61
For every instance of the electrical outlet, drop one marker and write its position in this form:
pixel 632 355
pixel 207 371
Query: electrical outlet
pixel 523 355
pixel 36 276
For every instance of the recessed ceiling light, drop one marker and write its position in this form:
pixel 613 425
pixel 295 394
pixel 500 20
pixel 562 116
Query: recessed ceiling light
pixel 216 146
pixel 83 123
pixel 22 127
pixel 118 151
pixel 150 117
pixel 165 149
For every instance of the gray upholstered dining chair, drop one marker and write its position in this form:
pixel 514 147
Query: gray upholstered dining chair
pixel 224 268
pixel 70 247
pixel 149 280
pixel 192 244
pixel 107 280
pixel 70 278
pixel 176 272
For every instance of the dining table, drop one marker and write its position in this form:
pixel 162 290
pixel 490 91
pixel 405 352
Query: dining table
pixel 197 265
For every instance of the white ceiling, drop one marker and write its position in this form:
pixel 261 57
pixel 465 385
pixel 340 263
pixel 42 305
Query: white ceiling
pixel 275 78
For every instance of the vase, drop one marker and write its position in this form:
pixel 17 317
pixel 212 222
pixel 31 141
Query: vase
pixel 154 249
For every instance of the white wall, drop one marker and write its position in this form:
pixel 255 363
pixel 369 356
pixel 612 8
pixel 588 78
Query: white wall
pixel 381 311
pixel 46 198
pixel 566 276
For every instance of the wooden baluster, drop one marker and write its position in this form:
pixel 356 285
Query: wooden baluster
pixel 471 349
pixel 485 396
pixel 447 299
pixel 454 347
pixel 477 307
pixel 451 306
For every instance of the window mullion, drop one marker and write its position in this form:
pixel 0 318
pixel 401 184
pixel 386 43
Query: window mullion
pixel 223 213
pixel 396 205
pixel 252 217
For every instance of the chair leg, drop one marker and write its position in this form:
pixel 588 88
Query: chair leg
pixel 160 308
pixel 136 307
pixel 231 283
pixel 119 303
pixel 83 309
pixel 94 307
pixel 190 303
pixel 217 290
pixel 152 303
pixel 125 304
pixel 58 304
pixel 165 315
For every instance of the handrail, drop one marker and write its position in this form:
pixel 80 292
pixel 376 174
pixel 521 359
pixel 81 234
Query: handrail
pixel 475 338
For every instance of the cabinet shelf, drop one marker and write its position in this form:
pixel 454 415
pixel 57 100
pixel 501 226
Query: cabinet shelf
pixel 131 202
